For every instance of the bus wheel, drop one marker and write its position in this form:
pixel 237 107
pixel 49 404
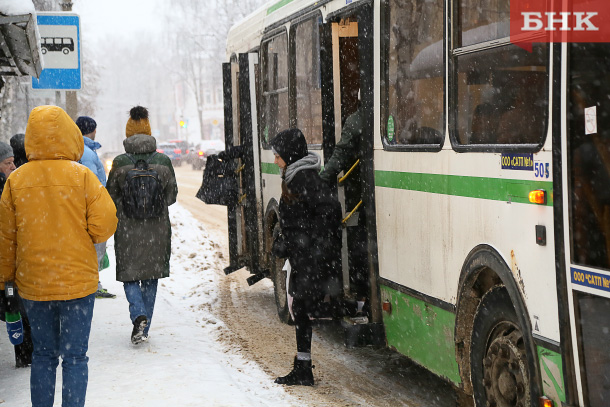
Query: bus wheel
pixel 500 373
pixel 66 51
pixel 279 284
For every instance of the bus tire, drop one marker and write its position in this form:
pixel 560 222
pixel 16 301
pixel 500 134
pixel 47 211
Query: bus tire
pixel 279 283
pixel 499 359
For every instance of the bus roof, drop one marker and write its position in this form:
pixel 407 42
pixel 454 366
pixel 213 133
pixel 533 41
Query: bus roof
pixel 246 34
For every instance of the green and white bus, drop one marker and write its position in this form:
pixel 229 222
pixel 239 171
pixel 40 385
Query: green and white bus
pixel 482 192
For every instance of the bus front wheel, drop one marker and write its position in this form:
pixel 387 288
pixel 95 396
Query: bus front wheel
pixel 279 283
pixel 499 361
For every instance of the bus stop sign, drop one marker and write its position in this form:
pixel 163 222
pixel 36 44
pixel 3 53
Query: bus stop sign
pixel 61 53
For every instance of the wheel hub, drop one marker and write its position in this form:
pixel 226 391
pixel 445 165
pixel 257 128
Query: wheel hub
pixel 505 369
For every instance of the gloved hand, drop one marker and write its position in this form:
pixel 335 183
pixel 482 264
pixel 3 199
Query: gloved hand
pixel 280 246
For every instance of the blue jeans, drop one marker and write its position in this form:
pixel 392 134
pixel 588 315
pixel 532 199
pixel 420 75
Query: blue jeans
pixel 141 296
pixel 60 328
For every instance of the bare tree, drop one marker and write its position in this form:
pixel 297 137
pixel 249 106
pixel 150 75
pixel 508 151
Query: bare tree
pixel 197 33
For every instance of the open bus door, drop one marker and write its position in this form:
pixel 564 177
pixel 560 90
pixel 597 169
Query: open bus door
pixel 241 141
pixel 586 216
pixel 350 63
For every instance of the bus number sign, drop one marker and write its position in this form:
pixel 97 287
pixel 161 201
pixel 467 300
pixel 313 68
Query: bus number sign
pixel 517 161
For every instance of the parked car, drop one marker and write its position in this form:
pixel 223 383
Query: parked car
pixel 182 145
pixel 172 151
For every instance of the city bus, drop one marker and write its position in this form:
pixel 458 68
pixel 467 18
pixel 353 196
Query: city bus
pixel 480 194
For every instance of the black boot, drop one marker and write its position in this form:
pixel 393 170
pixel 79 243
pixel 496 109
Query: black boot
pixel 301 374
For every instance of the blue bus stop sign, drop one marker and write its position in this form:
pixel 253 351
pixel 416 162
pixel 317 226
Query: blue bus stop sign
pixel 61 53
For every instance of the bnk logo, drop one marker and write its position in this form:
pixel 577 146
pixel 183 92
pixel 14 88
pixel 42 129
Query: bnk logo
pixel 534 21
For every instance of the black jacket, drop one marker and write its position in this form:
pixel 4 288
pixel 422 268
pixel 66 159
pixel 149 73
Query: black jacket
pixel 311 226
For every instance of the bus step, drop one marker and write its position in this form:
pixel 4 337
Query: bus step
pixel 255 278
pixel 232 268
pixel 360 333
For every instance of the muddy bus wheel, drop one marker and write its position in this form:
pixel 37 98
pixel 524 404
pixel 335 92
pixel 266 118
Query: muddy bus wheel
pixel 500 373
pixel 279 284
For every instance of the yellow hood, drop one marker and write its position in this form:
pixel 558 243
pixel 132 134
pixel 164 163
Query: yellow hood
pixel 52 135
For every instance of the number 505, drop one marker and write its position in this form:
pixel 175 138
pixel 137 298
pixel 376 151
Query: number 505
pixel 541 170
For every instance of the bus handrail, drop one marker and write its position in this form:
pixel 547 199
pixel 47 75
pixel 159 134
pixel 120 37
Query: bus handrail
pixel 349 215
pixel 349 172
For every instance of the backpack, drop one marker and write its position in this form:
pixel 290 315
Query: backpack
pixel 142 191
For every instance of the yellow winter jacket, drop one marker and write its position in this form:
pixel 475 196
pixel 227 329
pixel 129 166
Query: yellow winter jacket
pixel 52 211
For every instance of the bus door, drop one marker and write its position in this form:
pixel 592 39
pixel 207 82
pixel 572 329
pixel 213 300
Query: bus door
pixel 241 139
pixel 587 219
pixel 352 79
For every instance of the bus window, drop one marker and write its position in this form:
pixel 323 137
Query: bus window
pixel 590 154
pixel 274 109
pixel 502 92
pixel 415 72
pixel 483 20
pixel 308 90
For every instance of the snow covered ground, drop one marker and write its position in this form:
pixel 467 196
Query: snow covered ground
pixel 182 364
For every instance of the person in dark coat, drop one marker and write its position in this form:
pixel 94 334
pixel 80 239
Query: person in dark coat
pixel 142 246
pixel 310 222
pixel 347 151
pixel 12 157
pixel 18 145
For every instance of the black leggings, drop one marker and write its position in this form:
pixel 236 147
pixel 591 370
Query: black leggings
pixel 302 308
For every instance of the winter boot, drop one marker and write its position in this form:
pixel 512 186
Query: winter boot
pixel 137 335
pixel 301 374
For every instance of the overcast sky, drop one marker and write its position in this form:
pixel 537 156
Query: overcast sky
pixel 123 18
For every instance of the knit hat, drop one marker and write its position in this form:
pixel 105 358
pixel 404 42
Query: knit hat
pixel 290 145
pixel 86 125
pixel 138 122
pixel 18 145
pixel 6 151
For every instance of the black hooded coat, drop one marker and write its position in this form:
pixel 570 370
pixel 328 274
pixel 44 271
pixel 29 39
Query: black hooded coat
pixel 310 222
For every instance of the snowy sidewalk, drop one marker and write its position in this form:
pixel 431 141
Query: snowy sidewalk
pixel 181 364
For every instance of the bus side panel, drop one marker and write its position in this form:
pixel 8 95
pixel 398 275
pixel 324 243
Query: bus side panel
pixel 432 210
pixel 414 327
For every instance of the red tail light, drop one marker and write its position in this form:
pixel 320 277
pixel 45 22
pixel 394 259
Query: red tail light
pixel 159 150
pixel 177 151
pixel 199 153
pixel 187 151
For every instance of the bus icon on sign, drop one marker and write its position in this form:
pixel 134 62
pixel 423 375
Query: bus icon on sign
pixel 51 44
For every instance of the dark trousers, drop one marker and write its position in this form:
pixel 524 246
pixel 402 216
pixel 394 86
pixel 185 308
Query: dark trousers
pixel 302 308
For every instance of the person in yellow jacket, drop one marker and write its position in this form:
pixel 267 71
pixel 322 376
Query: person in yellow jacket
pixel 52 211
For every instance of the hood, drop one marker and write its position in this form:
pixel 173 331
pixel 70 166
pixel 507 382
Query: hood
pixel 92 144
pixel 290 145
pixel 140 144
pixel 52 135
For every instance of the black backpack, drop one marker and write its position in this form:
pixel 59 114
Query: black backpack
pixel 142 191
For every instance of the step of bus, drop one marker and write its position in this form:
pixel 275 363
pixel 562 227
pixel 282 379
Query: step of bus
pixel 359 332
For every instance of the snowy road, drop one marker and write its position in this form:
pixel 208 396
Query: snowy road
pixel 182 364
pixel 215 341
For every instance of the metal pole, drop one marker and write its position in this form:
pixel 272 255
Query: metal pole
pixel 71 99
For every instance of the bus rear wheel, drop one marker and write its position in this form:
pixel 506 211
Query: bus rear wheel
pixel 279 283
pixel 499 360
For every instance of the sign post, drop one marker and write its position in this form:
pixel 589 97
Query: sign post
pixel 61 51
